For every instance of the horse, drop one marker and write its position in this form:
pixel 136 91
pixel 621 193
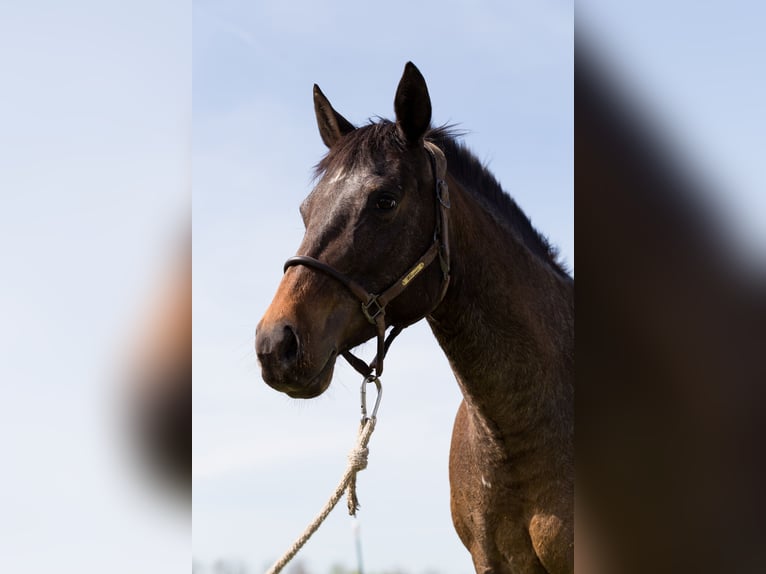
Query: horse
pixel 405 219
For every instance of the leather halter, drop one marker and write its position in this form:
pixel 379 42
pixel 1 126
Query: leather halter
pixel 374 306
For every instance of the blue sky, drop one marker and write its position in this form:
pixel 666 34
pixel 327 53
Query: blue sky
pixel 265 464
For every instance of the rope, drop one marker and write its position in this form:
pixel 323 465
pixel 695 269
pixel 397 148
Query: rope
pixel 357 460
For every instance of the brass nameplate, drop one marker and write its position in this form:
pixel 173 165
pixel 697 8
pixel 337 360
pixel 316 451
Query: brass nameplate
pixel 411 275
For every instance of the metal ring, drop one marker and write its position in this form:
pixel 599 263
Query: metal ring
pixel 367 380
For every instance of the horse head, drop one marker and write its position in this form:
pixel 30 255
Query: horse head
pixel 368 222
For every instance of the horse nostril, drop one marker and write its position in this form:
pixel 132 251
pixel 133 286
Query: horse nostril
pixel 277 347
pixel 289 345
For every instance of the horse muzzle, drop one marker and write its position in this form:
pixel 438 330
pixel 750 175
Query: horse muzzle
pixel 285 364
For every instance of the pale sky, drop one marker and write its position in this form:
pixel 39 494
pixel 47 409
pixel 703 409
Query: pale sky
pixel 697 68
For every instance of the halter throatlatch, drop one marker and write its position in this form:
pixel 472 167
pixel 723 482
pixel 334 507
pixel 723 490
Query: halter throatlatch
pixel 374 306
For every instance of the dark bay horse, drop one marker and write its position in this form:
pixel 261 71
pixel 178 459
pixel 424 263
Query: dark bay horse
pixel 404 211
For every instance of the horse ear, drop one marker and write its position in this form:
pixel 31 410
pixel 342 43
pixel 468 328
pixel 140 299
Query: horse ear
pixel 332 125
pixel 412 105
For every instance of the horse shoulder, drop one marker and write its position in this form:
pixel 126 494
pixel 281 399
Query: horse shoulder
pixel 553 541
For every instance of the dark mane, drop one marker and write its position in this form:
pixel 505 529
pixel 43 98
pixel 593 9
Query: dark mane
pixel 360 145
pixel 477 179
pixel 366 141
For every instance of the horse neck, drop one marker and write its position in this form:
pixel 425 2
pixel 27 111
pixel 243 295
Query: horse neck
pixel 506 324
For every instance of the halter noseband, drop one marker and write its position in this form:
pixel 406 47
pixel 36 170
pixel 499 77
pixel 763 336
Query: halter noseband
pixel 374 306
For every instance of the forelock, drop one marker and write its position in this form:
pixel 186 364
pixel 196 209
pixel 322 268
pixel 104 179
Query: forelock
pixel 360 148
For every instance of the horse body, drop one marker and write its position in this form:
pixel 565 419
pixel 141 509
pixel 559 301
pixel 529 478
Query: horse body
pixel 505 321
pixel 512 351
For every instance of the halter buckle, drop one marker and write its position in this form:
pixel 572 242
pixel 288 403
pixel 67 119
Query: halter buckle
pixel 377 311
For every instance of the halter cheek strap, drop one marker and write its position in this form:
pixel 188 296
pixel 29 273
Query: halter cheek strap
pixel 374 306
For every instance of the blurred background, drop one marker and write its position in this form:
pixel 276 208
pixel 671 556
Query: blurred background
pixel 263 464
pixel 671 297
pixel 95 181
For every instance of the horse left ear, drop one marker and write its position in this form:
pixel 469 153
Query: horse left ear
pixel 332 125
pixel 412 105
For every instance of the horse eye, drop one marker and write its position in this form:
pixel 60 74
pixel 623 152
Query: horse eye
pixel 386 203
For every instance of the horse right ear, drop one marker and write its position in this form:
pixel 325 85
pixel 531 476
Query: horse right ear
pixel 412 105
pixel 332 125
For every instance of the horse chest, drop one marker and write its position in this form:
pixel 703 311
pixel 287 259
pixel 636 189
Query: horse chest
pixel 496 504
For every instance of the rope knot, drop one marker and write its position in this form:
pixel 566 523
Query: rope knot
pixel 357 458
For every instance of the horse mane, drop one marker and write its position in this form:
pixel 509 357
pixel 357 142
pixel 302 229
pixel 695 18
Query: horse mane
pixel 478 180
pixel 365 142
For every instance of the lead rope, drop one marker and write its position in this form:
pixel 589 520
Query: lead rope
pixel 357 460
